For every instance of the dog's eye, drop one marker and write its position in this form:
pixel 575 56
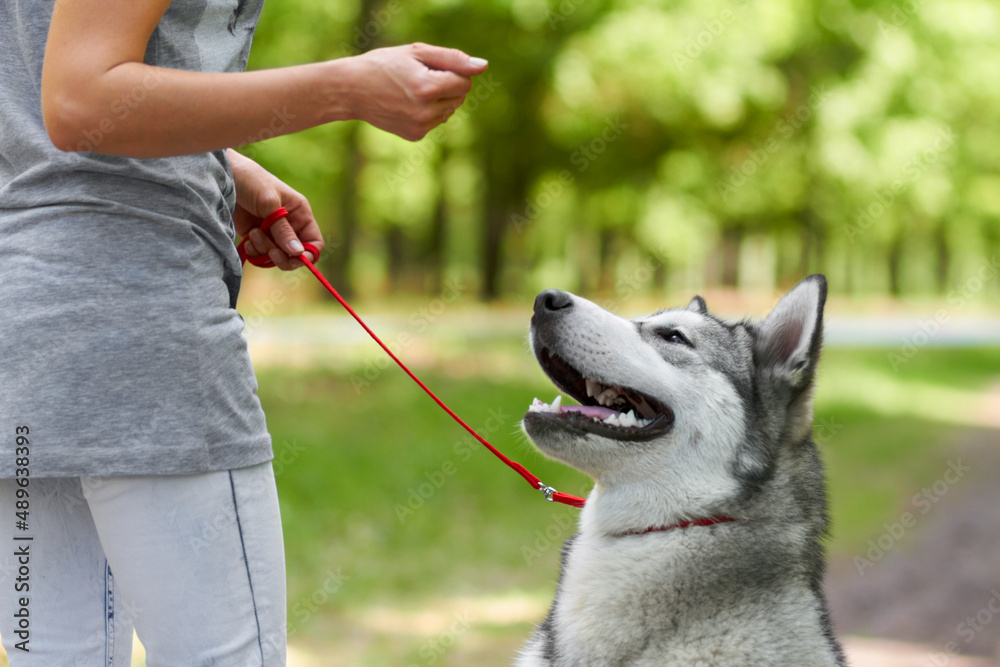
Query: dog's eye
pixel 674 336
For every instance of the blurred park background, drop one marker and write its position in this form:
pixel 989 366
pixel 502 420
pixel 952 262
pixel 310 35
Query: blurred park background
pixel 636 152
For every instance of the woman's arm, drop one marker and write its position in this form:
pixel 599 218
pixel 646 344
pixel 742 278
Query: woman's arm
pixel 94 67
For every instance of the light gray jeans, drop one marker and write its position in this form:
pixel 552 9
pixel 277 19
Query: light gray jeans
pixel 194 563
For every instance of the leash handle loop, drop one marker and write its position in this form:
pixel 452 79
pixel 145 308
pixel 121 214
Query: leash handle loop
pixel 550 493
pixel 263 261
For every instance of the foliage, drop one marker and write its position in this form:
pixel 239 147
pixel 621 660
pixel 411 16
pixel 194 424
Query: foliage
pixel 728 141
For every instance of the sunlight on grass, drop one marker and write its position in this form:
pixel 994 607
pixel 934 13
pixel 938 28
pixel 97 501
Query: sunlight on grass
pixel 482 630
pixel 898 396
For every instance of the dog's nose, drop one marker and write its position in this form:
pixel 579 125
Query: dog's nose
pixel 551 300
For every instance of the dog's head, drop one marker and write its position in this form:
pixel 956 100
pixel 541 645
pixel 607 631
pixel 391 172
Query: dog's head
pixel 679 408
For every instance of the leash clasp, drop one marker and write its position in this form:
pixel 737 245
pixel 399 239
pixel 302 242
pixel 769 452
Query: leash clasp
pixel 547 491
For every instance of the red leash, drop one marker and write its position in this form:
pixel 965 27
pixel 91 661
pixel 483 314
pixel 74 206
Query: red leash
pixel 265 262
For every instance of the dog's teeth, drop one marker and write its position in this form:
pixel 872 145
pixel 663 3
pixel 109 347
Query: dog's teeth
pixel 607 397
pixel 539 406
pixel 628 419
pixel 593 387
pixel 612 421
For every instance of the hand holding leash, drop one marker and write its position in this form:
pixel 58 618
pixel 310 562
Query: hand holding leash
pixel 258 194
pixel 264 261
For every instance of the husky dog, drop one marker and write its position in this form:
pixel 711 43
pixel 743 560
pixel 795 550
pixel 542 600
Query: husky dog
pixel 702 540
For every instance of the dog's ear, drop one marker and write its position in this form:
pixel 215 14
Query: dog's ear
pixel 698 305
pixel 790 337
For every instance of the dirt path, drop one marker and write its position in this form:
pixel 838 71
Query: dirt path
pixel 934 577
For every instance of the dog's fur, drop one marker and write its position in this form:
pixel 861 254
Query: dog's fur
pixel 730 437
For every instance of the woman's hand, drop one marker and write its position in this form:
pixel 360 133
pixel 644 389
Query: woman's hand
pixel 409 90
pixel 258 194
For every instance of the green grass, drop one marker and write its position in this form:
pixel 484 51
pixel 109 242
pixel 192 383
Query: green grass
pixel 388 505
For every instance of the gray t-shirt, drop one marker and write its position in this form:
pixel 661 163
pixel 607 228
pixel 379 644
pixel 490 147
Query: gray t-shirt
pixel 120 347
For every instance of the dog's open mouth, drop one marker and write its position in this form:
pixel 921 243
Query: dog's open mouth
pixel 612 411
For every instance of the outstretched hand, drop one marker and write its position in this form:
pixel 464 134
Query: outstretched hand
pixel 409 90
pixel 258 194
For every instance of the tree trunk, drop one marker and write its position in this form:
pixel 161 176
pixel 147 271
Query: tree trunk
pixel 395 257
pixel 942 265
pixel 895 265
pixel 493 259
pixel 814 244
pixel 337 263
pixel 732 238
pixel 849 270
pixel 507 184
pixel 434 256
pixel 606 260
pixel 661 276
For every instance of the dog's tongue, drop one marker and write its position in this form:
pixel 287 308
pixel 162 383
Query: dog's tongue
pixel 598 411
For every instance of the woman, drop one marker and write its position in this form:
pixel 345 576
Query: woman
pixel 135 475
